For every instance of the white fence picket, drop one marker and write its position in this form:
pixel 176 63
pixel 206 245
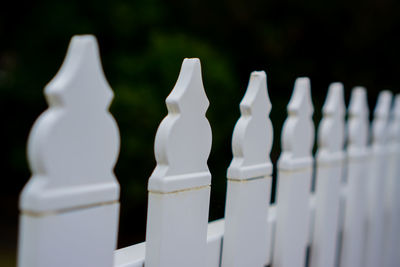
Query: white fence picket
pixel 357 170
pixel 179 187
pixel 330 158
pixel 215 234
pixel 392 196
pixel 133 256
pixel 69 208
pixel 294 180
pixel 377 179
pixel 249 180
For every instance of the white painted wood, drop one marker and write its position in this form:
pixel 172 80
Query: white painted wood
pixel 215 235
pixel 83 237
pixel 179 187
pixel 342 210
pixel 377 180
pixel 252 136
pixel 330 158
pixel 294 180
pixel 69 208
pixel 271 232
pixel 357 170
pixel 249 180
pixel 313 204
pixel 132 256
pixel 392 196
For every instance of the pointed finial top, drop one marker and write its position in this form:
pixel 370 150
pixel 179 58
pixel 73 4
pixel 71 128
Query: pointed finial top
pixel 298 129
pixel 383 105
pixel 331 129
pixel 252 136
pixel 74 144
pixel 188 94
pixel 358 106
pixel 300 102
pixel 183 139
pixel 381 118
pixel 334 103
pixel 71 85
pixel 358 122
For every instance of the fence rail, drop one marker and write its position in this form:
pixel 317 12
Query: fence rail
pixel 70 206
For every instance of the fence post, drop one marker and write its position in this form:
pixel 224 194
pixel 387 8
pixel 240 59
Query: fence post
pixel 249 180
pixel 392 199
pixel 330 157
pixel 179 187
pixel 376 181
pixel 294 180
pixel 69 208
pixel 357 163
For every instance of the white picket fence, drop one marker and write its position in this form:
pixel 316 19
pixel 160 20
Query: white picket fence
pixel 70 206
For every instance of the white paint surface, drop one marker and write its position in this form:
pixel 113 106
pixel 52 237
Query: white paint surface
pixel 179 187
pixel 392 196
pixel 249 180
pixel 330 160
pixel 294 180
pixel 357 170
pixel 69 208
pixel 377 180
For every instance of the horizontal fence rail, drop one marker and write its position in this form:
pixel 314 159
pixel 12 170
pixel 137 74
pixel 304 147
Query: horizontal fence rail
pixel 69 209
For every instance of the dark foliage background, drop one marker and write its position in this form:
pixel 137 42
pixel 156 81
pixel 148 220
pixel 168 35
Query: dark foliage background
pixel 143 44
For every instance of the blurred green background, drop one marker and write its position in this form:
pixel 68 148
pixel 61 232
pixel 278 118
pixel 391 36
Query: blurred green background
pixel 143 43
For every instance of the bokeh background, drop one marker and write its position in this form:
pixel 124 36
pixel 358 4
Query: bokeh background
pixel 143 43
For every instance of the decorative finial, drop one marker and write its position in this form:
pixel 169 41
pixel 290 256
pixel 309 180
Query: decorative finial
pixel 74 144
pixel 381 118
pixel 252 136
pixel 358 123
pixel 332 126
pixel 298 129
pixel 71 86
pixel 183 139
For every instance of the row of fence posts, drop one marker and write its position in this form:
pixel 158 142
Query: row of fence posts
pixel 70 206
